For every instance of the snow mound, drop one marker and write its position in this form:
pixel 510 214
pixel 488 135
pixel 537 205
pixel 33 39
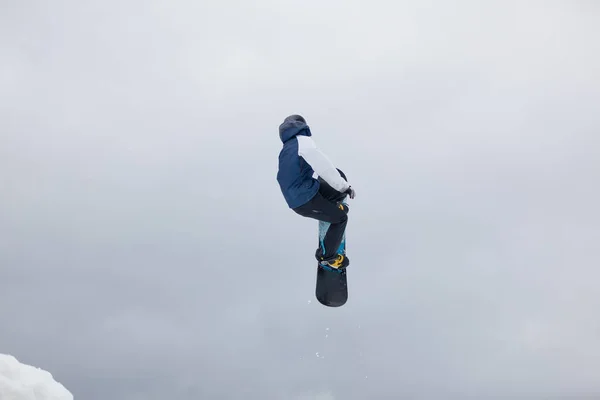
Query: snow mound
pixel 24 382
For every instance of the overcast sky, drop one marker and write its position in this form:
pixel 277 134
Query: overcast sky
pixel 146 252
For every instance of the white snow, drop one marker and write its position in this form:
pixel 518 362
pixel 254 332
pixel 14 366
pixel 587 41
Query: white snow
pixel 23 382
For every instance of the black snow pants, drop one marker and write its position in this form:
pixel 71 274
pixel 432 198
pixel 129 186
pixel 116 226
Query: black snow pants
pixel 325 207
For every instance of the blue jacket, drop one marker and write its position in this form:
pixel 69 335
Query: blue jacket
pixel 295 175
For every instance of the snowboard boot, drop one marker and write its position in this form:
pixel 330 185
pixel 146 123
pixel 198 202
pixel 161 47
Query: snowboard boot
pixel 338 262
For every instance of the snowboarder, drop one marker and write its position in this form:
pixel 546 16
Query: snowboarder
pixel 299 160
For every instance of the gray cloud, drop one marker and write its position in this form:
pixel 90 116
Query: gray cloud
pixel 147 253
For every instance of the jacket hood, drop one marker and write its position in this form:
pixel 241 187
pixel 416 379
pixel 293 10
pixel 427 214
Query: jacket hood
pixel 292 126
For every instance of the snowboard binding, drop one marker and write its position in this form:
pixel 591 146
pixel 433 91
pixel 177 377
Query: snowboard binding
pixel 340 262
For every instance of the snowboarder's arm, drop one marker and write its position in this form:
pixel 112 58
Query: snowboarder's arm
pixel 320 163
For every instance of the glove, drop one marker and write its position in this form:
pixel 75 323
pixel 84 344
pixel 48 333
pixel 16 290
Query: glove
pixel 350 192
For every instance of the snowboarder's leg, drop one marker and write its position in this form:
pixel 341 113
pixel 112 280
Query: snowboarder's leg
pixel 330 193
pixel 328 248
pixel 321 209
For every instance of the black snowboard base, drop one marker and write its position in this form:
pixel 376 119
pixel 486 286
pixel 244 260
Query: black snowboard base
pixel 332 286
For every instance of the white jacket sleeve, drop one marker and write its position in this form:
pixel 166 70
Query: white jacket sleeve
pixel 320 163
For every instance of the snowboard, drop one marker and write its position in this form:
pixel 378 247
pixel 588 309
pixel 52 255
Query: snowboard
pixel 332 284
